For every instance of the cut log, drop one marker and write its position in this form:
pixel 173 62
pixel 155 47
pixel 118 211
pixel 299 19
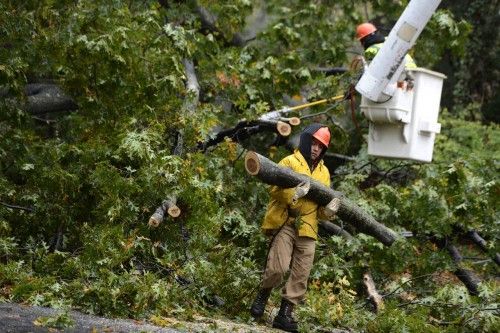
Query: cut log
pixel 294 121
pixel 283 128
pixel 481 243
pixel 273 174
pixel 169 207
pixel 373 294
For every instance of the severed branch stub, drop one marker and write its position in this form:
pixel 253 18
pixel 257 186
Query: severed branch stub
pixel 373 294
pixel 245 129
pixel 273 174
pixel 293 121
pixel 169 207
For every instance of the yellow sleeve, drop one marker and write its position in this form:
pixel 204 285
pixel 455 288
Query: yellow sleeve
pixel 371 52
pixel 409 62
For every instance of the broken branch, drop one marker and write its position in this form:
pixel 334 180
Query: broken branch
pixel 468 277
pixel 481 243
pixel 333 229
pixel 27 209
pixel 373 294
pixel 192 86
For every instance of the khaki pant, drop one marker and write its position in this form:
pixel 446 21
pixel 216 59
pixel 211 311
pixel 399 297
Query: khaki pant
pixel 289 252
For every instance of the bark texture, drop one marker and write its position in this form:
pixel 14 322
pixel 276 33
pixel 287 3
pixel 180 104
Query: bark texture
pixel 192 86
pixel 47 98
pixel 334 230
pixel 373 294
pixel 468 277
pixel 273 174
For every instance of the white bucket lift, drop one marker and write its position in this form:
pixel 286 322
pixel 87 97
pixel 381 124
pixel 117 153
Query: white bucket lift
pixel 403 123
pixel 406 125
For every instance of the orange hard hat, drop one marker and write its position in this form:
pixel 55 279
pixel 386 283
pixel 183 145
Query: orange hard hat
pixel 323 136
pixel 364 30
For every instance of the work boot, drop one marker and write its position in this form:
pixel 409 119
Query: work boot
pixel 259 304
pixel 284 320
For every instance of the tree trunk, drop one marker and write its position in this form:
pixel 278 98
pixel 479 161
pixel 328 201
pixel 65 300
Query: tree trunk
pixel 273 174
pixel 479 241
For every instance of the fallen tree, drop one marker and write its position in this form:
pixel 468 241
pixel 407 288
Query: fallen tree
pixel 273 174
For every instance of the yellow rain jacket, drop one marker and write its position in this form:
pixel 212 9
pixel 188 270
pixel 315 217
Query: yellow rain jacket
pixel 281 200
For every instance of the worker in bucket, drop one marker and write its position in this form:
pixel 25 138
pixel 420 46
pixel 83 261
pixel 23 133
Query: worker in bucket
pixel 291 222
pixel 371 40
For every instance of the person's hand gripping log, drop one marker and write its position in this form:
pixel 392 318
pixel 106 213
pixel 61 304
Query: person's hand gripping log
pixel 301 190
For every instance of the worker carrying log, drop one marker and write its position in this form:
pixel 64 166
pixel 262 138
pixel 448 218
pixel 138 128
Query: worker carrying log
pixel 291 221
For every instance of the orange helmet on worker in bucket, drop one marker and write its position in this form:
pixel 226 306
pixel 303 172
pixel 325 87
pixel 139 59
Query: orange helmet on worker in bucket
pixel 323 136
pixel 365 29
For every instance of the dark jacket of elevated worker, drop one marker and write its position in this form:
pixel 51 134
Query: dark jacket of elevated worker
pixel 292 221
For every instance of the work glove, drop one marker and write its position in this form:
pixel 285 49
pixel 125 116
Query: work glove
pixel 410 83
pixel 410 80
pixel 301 190
pixel 332 207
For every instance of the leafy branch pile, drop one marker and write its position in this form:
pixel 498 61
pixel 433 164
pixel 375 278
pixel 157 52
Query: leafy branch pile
pixel 104 106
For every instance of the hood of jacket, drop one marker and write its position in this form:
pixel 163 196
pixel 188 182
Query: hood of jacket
pixel 306 142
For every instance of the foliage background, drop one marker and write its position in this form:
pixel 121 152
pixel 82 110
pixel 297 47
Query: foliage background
pixel 97 174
